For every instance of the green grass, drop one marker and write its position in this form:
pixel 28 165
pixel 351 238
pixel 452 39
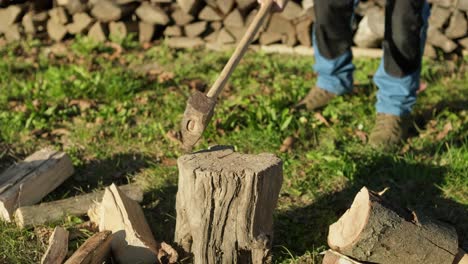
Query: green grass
pixel 114 122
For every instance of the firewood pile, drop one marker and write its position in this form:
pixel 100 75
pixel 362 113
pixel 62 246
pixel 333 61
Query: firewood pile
pixel 447 31
pixel 241 192
pixel 216 24
pixel 121 232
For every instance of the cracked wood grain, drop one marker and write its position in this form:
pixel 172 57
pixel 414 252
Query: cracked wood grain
pixel 225 205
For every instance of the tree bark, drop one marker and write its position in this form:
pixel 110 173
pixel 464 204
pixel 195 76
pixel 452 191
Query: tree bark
pixel 58 247
pixel 95 250
pixel 225 205
pixel 373 230
pixel 333 257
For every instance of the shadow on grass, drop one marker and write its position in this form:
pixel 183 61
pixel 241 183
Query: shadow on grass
pixel 119 168
pixel 159 206
pixel 456 106
pixel 412 185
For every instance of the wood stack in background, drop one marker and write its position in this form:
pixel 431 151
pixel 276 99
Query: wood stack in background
pixel 214 23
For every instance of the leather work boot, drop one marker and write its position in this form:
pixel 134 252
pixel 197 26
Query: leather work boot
pixel 389 131
pixel 315 99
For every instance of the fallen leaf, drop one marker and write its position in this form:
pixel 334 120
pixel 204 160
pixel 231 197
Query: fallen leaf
pixel 142 100
pixel 197 84
pixel 60 132
pixel 167 252
pixel 37 132
pixel 17 106
pixel 361 135
pixel 36 104
pixel 322 119
pixel 165 76
pixel 43 234
pixel 117 50
pixel 405 148
pixel 174 136
pixel 430 129
pixel 99 120
pixel 146 45
pixel 169 162
pixel 422 87
pixel 82 104
pixel 150 68
pixel 381 193
pixel 447 128
pixel 287 144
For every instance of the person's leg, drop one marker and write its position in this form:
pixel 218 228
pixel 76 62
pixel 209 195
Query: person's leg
pixel 332 39
pixel 398 75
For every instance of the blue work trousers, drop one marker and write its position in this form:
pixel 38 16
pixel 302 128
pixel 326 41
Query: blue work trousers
pixel 398 78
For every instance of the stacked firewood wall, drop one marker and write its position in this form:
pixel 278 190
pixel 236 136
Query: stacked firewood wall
pixel 447 30
pixel 218 23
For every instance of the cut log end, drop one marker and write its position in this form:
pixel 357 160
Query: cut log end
pixel 374 230
pixel 347 229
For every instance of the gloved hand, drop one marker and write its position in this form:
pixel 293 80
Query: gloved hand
pixel 278 5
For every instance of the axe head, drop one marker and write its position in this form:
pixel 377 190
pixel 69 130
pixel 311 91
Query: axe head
pixel 197 115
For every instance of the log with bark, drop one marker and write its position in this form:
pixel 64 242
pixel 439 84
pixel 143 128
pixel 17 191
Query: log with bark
pixel 333 257
pixel 30 180
pixel 54 211
pixel 96 249
pixel 373 230
pixel 58 247
pixel 225 205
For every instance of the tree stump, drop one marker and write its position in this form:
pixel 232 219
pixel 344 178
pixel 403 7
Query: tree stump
pixel 225 205
pixel 375 231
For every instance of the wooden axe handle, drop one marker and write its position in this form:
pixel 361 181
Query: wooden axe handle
pixel 241 48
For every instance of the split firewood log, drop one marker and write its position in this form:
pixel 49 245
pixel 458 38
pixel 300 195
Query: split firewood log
pixel 373 230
